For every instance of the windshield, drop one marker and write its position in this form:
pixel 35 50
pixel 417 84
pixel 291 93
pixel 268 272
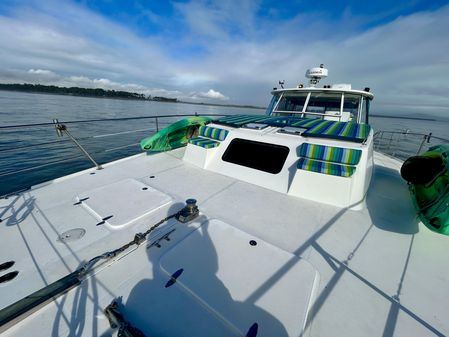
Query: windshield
pixel 323 102
pixel 338 106
pixel 292 102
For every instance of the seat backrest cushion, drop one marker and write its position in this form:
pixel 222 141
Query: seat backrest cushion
pixel 214 133
pixel 330 154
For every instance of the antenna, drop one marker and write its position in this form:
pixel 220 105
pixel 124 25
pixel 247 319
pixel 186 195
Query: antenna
pixel 316 74
pixel 281 83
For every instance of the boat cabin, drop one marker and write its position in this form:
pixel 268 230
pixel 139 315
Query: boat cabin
pixel 336 102
pixel 312 143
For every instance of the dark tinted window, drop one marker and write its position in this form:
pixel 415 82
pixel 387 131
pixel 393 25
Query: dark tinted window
pixel 260 156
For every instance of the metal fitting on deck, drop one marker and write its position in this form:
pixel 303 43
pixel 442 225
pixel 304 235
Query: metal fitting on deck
pixel 189 212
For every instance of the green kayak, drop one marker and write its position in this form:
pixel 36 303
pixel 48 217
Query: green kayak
pixel 175 135
pixel 428 178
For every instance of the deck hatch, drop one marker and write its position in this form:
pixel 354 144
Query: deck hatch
pixel 109 207
pixel 225 279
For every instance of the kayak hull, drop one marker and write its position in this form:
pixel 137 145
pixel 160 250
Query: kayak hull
pixel 431 196
pixel 175 135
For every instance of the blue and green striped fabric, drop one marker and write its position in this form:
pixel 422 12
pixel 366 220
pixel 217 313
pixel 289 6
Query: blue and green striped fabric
pixel 330 154
pixel 307 122
pixel 204 142
pixel 214 133
pixel 325 167
pixel 239 120
pixel 340 130
pixel 349 131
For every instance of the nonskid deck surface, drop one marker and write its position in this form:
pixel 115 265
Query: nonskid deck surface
pixel 352 273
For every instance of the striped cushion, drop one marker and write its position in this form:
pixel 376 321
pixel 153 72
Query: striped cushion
pixel 239 120
pixel 316 127
pixel 204 142
pixel 214 133
pixel 307 122
pixel 330 154
pixel 340 130
pixel 279 121
pixel 325 167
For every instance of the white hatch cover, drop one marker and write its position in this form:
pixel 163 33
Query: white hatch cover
pixel 123 202
pixel 253 286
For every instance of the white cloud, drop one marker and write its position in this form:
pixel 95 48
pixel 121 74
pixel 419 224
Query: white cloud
pixel 41 72
pixel 211 94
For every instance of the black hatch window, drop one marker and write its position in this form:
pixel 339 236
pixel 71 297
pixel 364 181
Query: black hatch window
pixel 260 156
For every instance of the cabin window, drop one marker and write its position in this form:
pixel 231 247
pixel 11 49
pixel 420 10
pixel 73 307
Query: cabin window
pixel 272 104
pixel 293 102
pixel 260 156
pixel 351 105
pixel 321 103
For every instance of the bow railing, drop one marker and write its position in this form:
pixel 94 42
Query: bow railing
pixel 404 144
pixel 34 153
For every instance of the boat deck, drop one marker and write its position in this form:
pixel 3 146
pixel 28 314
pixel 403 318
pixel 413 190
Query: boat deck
pixel 315 268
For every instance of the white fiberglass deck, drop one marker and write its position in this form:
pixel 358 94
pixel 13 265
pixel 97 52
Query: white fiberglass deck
pixel 331 271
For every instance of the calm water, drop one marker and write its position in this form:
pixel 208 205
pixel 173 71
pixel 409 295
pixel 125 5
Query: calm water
pixel 19 153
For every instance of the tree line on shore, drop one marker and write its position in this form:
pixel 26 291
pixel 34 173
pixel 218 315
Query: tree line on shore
pixel 97 92
pixel 76 91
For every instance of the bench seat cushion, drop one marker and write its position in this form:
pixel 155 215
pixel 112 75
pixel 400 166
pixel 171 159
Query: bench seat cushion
pixel 325 167
pixel 331 154
pixel 204 142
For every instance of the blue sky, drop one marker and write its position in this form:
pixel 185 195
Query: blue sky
pixel 231 51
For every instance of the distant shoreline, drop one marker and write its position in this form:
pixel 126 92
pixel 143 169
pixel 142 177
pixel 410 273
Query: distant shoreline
pixel 123 95
pixel 101 93
pixel 405 117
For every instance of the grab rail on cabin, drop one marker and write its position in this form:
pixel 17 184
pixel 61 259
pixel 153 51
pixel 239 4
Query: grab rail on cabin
pixel 49 153
pixel 404 144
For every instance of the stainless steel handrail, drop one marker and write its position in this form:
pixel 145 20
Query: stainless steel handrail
pixel 392 142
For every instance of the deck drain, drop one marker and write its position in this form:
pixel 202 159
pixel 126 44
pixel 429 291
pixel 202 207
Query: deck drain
pixel 72 235
pixel 6 265
pixel 8 277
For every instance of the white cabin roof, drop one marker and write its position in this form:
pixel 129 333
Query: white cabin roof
pixel 321 89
